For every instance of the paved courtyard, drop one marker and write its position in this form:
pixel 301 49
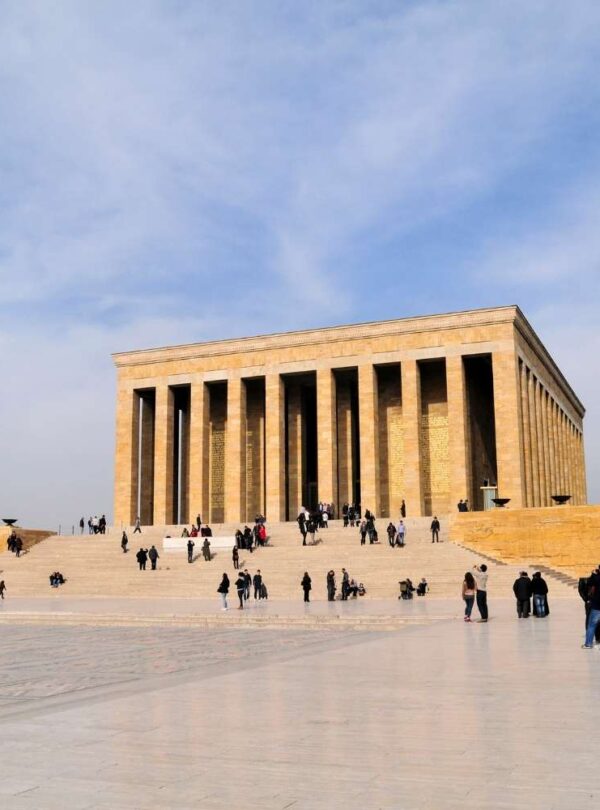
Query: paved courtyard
pixel 435 714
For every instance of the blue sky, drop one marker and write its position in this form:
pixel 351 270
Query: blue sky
pixel 180 171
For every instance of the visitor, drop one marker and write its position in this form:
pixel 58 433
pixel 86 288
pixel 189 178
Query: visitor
pixel 362 591
pixel 583 589
pixel 331 586
pixel 262 534
pixel 435 530
pixel 240 585
pixel 81 525
pixel 198 521
pixel 194 532
pixel 138 526
pixel 56 579
pixel 2 588
pixel 306 584
pixel 353 588
pixel 95 524
pixel 185 532
pixel 239 539
pixel 422 587
pixel 345 515
pixel 206 531
pixel 190 550
pixel 539 591
pixel 235 554
pixel 363 532
pixel 206 549
pixel 481 578
pixel 223 589
pixel 401 535
pixel 90 526
pixel 102 525
pixel 325 519
pixel 153 555
pixel 345 584
pixel 468 594
pixel 142 558
pixel 18 546
pixel 522 592
pixel 371 528
pixel 264 594
pixel 593 585
pixel 311 529
pixel 257 583
pixel 124 541
pixel 403 510
pixel 391 533
pixel 11 541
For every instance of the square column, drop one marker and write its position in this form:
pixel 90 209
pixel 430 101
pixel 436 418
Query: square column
pixel 235 452
pixel 368 413
pixel 459 455
pixel 164 423
pixel 535 470
pixel 526 435
pixel 199 450
pixel 275 447
pixel 327 437
pixel 126 457
pixel 507 416
pixel 411 420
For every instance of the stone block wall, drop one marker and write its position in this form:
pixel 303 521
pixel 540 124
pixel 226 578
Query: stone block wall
pixel 218 426
pixel 566 538
pixel 255 451
pixel 391 441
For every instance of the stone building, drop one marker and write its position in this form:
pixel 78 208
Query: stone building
pixel 424 409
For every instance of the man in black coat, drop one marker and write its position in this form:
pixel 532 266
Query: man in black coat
pixel 435 530
pixel 583 588
pixel 142 558
pixel 257 582
pixel 522 592
pixel 190 550
pixel 153 554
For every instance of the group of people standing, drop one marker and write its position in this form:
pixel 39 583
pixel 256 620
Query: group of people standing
pixel 249 537
pixel 349 586
pixel 474 588
pixel 243 585
pixel 14 543
pixel 96 525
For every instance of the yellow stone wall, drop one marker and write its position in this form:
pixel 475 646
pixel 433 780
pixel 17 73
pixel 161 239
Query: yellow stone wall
pixel 563 537
pixel 218 425
pixel 391 442
pixel 29 536
pixel 435 467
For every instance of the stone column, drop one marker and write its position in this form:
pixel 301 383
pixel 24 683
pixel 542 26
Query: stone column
pixel 235 452
pixel 344 450
pixel 163 456
pixel 509 452
pixel 526 436
pixel 567 457
pixel 295 465
pixel 540 441
pixel 561 453
pixel 368 418
pixel 126 456
pixel 275 447
pixel 535 469
pixel 458 451
pixel 411 420
pixel 551 448
pixel 327 437
pixel 583 473
pixel 545 446
pixel 199 451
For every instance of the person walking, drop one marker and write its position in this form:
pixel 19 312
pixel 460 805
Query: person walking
pixel 391 533
pixel 401 535
pixel 2 588
pixel 539 591
pixel 594 602
pixel 311 528
pixel 240 585
pixel 583 589
pixel 206 549
pixel 18 546
pixel 81 525
pixel 481 578
pixel 522 592
pixel 138 525
pixel 301 520
pixel 124 541
pixel 331 586
pixel 306 586
pixel 257 583
pixel 235 554
pixel 403 510
pixel 435 530
pixel 142 558
pixel 248 580
pixel 223 589
pixel 198 521
pixel 468 594
pixel 190 550
pixel 345 584
pixel 363 532
pixel 153 555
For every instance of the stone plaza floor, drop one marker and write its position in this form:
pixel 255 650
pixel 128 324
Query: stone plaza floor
pixel 436 714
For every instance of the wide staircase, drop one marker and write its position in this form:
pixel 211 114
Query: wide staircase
pixel 94 565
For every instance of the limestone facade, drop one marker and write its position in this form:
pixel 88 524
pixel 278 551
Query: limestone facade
pixel 421 409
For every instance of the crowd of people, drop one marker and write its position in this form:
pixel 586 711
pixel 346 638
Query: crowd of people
pixel 244 584
pixel 96 525
pixel 14 543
